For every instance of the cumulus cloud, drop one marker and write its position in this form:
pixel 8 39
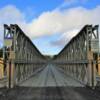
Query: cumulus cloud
pixel 65 21
pixel 72 1
pixel 68 3
pixel 65 38
pixel 10 15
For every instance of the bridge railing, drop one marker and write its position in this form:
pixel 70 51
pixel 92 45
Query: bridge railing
pixel 22 58
pixel 78 58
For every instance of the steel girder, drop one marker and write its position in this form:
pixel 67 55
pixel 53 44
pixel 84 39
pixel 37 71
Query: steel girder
pixel 78 57
pixel 23 58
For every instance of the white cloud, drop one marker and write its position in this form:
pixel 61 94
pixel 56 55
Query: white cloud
pixel 10 15
pixel 68 3
pixel 63 40
pixel 51 22
pixel 75 1
pixel 58 21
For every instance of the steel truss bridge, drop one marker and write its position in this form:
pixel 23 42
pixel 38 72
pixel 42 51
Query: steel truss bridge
pixel 79 59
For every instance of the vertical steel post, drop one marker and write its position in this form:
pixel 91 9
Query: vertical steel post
pixel 9 77
pixel 94 74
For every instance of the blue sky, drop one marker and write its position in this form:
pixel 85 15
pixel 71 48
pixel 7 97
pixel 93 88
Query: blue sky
pixel 35 6
pixel 49 23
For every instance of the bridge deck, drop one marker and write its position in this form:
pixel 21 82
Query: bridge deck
pixel 50 76
pixel 49 84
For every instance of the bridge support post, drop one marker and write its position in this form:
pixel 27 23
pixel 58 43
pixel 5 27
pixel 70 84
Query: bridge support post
pixel 91 70
pixel 98 69
pixel 94 74
pixel 10 74
pixel 11 71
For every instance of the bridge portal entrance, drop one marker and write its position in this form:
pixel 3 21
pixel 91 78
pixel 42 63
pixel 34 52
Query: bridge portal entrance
pixel 79 58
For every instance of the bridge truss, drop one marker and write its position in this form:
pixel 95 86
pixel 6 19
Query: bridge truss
pixel 79 58
pixel 22 58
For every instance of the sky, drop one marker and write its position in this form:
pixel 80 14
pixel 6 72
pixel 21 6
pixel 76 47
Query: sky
pixel 50 24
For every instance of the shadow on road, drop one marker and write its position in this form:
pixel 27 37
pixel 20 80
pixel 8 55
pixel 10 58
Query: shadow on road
pixel 49 93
